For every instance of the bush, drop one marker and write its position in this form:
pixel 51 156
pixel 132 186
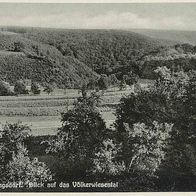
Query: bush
pixel 49 88
pixel 105 160
pixel 35 88
pixel 5 89
pixel 19 47
pixel 132 78
pixel 103 82
pixel 20 88
pixel 148 146
pixel 113 80
pixel 23 169
pixel 122 85
pixel 15 164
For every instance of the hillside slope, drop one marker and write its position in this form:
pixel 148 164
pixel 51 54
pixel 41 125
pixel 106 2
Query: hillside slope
pixel 104 51
pixel 69 58
pixel 39 62
pixel 96 48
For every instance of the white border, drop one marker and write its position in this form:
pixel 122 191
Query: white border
pixel 101 193
pixel 97 1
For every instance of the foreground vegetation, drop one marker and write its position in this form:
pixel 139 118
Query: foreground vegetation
pixel 150 148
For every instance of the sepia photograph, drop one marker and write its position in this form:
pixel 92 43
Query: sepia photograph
pixel 97 97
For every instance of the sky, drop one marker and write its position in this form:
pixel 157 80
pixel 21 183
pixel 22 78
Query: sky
pixel 167 16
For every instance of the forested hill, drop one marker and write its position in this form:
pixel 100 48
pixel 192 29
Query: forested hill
pixel 70 57
pixel 98 49
pixel 22 58
pixel 172 35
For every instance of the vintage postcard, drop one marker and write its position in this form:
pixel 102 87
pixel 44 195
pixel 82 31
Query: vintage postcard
pixel 97 97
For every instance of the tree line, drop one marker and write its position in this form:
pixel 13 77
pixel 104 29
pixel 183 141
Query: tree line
pixel 20 88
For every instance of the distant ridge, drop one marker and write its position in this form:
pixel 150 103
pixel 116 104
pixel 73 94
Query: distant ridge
pixel 174 35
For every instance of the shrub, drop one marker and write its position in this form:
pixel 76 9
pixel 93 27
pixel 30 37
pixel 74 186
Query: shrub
pixel 20 88
pixel 5 89
pixel 113 80
pixel 148 146
pixel 35 88
pixel 49 88
pixel 15 164
pixel 103 82
pixel 105 160
pixel 19 47
pixel 132 78
pixel 23 169
pixel 122 85
pixel 172 84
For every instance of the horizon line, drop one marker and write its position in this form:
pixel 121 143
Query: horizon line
pixel 122 29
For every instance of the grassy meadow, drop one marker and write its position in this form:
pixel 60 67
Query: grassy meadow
pixel 43 112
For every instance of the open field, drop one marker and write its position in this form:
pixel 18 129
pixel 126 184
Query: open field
pixel 7 53
pixel 43 112
pixel 47 125
pixel 7 33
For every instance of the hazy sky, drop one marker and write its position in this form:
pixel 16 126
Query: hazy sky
pixel 180 16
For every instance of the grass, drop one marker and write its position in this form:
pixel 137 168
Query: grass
pixel 7 53
pixel 40 125
pixel 35 103
pixel 7 33
pixel 33 111
pixel 43 112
